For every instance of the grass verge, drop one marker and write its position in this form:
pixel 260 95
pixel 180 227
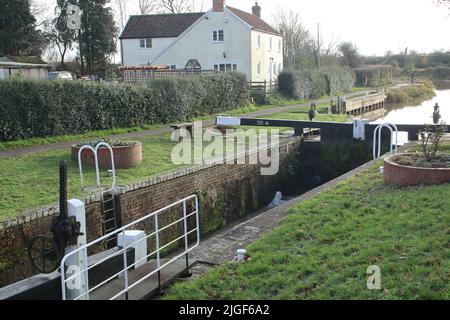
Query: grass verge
pixel 323 248
pixel 32 180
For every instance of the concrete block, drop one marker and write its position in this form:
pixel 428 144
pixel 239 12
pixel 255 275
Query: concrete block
pixel 137 240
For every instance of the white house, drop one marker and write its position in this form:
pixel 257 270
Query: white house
pixel 223 39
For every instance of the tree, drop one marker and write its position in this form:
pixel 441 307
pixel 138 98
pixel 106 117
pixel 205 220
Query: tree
pixel 98 35
pixel 147 6
pixel 18 34
pixel 444 3
pixel 297 40
pixel 120 8
pixel 175 6
pixel 57 33
pixel 349 53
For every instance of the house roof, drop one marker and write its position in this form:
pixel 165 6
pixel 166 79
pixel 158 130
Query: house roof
pixel 173 25
pixel 159 25
pixel 256 22
pixel 23 59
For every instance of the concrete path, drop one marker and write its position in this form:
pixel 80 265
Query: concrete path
pixel 61 145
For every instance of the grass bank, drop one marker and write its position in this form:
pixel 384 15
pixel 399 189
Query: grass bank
pixel 323 248
pixel 32 180
pixel 411 95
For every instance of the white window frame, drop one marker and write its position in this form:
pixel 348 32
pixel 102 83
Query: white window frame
pixel 145 42
pixel 216 35
pixel 234 66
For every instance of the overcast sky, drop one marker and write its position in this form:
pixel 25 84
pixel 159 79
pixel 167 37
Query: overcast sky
pixel 375 26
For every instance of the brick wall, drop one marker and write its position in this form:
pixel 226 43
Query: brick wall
pixel 226 193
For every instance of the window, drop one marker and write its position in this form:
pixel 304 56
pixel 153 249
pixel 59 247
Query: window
pixel 145 43
pixel 218 35
pixel 274 68
pixel 225 67
pixel 270 46
pixel 259 41
pixel 173 67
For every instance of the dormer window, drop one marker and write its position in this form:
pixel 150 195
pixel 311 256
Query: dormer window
pixel 145 43
pixel 218 35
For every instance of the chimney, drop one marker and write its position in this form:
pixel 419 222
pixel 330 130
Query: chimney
pixel 218 5
pixel 256 9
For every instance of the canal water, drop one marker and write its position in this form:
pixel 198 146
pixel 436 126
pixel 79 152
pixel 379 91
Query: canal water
pixel 421 114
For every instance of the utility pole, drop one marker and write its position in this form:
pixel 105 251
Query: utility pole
pixel 318 45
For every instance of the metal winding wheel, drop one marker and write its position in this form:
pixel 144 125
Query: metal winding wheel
pixel 43 254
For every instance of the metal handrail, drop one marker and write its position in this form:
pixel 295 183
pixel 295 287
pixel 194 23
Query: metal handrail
pixel 393 128
pixel 127 287
pixel 97 167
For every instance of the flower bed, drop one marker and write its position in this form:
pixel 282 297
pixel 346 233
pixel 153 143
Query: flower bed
pixel 409 169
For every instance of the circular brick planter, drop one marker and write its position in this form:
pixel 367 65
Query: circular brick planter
pixel 124 157
pixel 401 175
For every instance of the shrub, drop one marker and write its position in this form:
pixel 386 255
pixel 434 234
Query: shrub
pixel 411 94
pixel 373 76
pixel 315 83
pixel 50 108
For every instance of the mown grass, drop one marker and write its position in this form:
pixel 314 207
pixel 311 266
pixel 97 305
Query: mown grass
pixel 303 114
pixel 323 248
pixel 32 180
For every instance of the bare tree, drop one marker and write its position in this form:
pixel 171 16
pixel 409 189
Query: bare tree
pixel 297 40
pixel 40 11
pixel 444 3
pixel 175 6
pixel 120 10
pixel 350 54
pixel 147 6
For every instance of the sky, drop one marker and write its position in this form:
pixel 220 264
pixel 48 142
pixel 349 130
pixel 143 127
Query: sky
pixel 374 26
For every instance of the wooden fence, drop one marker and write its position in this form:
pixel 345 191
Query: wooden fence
pixel 260 90
pixel 143 75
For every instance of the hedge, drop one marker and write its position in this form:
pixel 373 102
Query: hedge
pixel 50 108
pixel 315 83
pixel 373 76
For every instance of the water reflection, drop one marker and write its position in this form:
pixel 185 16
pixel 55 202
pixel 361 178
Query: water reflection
pixel 421 114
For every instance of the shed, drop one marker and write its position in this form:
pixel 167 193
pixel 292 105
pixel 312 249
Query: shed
pixel 28 67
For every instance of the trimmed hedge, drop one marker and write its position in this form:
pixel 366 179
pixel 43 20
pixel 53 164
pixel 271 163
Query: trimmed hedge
pixel 315 83
pixel 50 108
pixel 373 76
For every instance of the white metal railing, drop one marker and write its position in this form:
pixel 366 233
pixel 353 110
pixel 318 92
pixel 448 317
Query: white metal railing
pixel 393 128
pixel 82 272
pixel 97 167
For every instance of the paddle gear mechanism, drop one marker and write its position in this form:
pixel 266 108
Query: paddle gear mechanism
pixel 45 252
